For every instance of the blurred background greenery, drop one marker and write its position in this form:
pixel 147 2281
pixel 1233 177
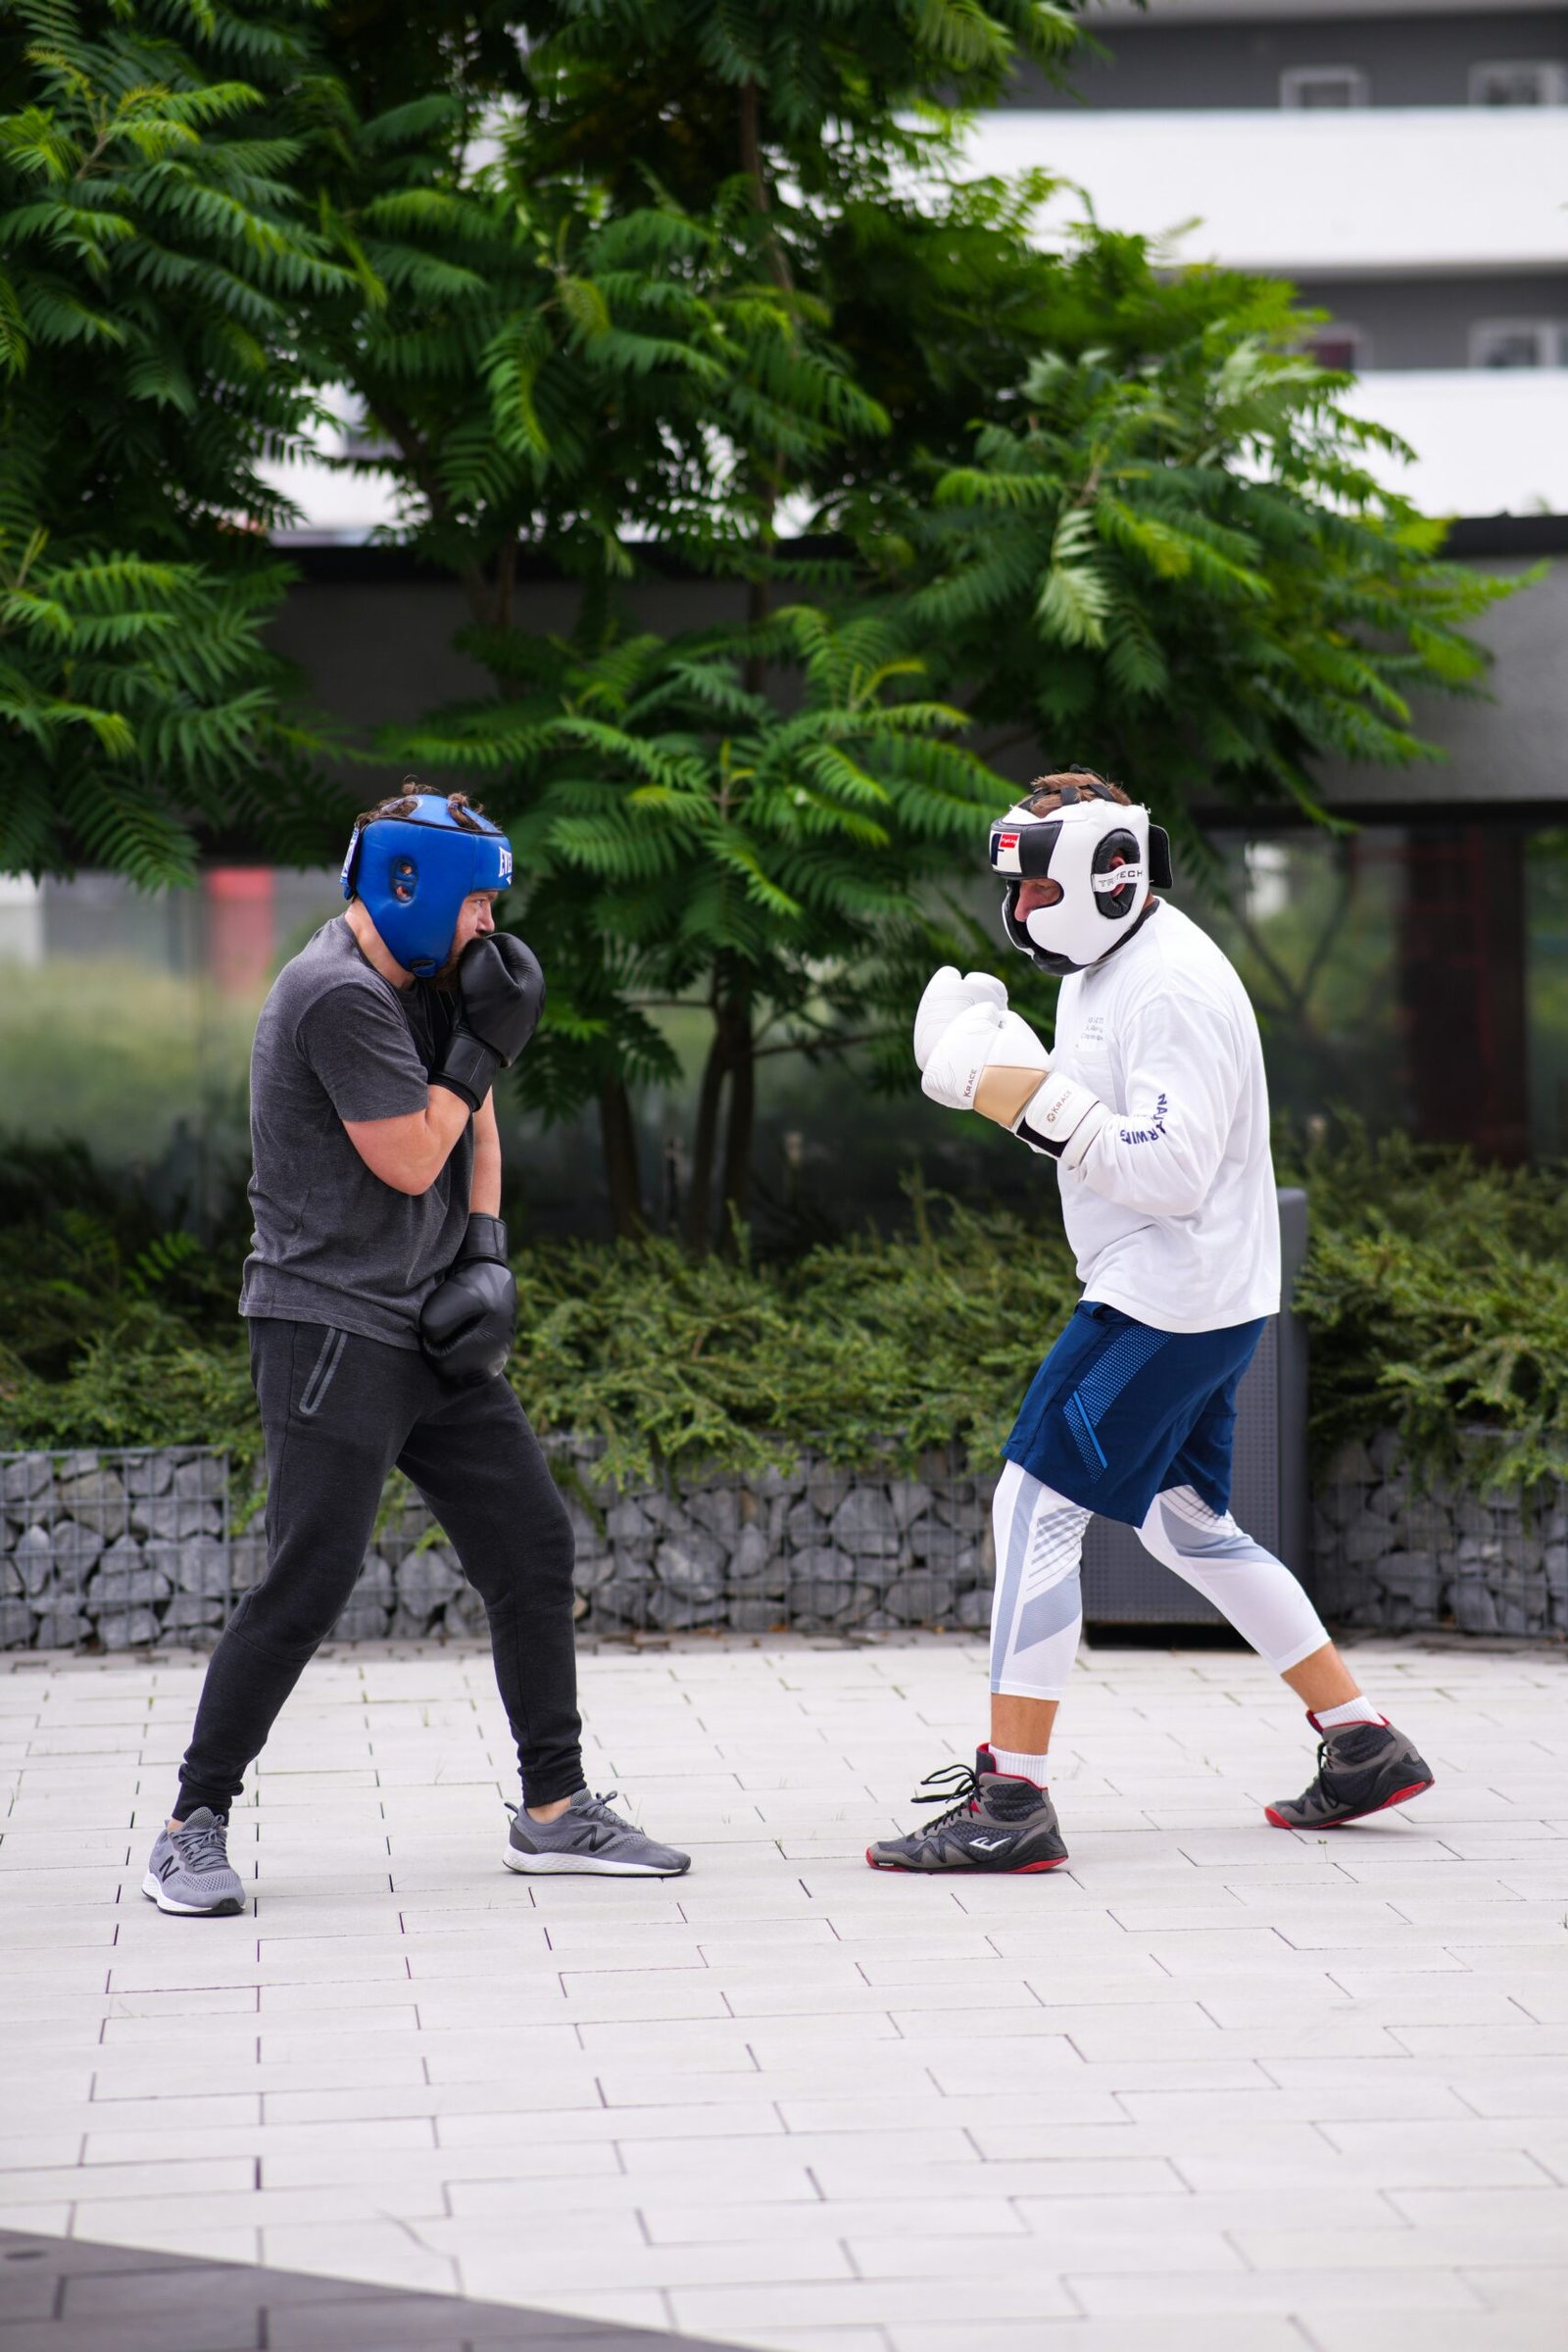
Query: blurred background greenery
pixel 125 1022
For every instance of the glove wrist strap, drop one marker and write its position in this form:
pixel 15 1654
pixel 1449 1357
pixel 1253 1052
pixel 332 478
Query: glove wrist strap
pixel 485 1237
pixel 1064 1118
pixel 468 1067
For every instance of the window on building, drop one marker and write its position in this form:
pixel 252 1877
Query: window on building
pixel 1340 346
pixel 1303 87
pixel 1520 82
pixel 1519 343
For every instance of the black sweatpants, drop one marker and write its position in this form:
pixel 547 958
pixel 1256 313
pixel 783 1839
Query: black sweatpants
pixel 338 1412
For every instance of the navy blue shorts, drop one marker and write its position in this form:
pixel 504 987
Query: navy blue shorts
pixel 1119 1411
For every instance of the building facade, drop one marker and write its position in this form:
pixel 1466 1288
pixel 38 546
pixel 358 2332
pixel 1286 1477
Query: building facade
pixel 1405 166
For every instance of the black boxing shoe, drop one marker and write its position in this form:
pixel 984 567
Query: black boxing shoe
pixel 998 1823
pixel 1362 1768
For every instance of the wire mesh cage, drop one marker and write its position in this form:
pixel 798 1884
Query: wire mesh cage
pixel 1399 1551
pixel 806 1546
pixel 122 1547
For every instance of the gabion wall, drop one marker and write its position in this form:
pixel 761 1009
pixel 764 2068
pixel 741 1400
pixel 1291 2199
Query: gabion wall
pixel 124 1547
pixel 811 1547
pixel 1400 1555
pixel 137 1548
pixel 131 1548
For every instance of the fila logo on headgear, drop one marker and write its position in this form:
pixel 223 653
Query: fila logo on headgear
pixel 1006 840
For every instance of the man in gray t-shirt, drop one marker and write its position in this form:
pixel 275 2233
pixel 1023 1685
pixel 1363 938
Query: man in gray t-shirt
pixel 380 1309
pixel 338 1042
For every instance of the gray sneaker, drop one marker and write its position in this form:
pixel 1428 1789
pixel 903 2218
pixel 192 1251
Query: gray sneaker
pixel 589 1837
pixel 189 1869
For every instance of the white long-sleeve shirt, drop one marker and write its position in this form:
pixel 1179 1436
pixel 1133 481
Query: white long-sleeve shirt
pixel 1173 1213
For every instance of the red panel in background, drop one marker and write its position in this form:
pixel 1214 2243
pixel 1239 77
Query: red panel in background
pixel 1462 957
pixel 241 911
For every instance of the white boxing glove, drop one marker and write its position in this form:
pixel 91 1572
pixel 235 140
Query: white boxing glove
pixel 993 1063
pixel 987 1060
pixel 949 993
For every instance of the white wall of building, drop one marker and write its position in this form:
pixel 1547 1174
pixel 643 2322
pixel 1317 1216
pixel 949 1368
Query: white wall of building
pixel 1486 443
pixel 1397 191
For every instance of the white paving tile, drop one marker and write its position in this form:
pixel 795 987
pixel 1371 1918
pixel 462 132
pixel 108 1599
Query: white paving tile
pixel 782 2102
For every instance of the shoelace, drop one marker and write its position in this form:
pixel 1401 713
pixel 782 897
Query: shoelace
pixel 960 1777
pixel 598 1808
pixel 202 1850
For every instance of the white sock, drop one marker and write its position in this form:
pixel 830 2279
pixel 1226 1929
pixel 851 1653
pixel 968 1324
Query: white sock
pixel 1354 1710
pixel 1024 1768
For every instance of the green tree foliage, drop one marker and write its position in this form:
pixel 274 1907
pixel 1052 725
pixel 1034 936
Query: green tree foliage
pixel 594 346
pixel 159 267
pixel 1181 555
pixel 724 267
pixel 684 837
pixel 558 378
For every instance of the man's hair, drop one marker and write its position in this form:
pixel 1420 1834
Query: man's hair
pixel 463 811
pixel 1045 793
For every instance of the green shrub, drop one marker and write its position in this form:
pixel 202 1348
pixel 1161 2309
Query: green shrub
pixel 1436 1294
pixel 866 1346
pixel 1437 1297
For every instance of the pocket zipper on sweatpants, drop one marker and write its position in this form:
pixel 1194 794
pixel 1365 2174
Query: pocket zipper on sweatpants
pixel 321 1380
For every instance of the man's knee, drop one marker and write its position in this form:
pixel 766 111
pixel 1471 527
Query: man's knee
pixel 529 1561
pixel 1179 1525
pixel 287 1620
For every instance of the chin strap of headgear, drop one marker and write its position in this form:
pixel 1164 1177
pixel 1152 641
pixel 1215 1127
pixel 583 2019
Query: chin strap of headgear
pixel 1104 854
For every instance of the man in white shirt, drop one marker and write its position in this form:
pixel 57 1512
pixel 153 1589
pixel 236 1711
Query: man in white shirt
pixel 1154 1105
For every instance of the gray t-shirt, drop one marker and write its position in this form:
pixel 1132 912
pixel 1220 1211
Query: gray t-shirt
pixel 333 1243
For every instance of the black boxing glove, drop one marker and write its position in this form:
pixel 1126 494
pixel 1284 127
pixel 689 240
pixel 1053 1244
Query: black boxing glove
pixel 501 994
pixel 467 1323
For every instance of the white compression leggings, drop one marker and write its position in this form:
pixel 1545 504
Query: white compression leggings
pixel 1037 1614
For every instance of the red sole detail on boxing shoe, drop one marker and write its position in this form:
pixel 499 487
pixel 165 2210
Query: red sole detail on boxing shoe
pixel 1401 1796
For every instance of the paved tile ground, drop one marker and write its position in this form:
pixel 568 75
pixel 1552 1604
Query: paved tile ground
pixel 1215 2084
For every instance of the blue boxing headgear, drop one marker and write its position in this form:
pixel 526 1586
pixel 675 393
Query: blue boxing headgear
pixel 413 873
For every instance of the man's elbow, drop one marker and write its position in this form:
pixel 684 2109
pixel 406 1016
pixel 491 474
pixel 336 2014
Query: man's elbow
pixel 1169 1191
pixel 1179 1192
pixel 407 1173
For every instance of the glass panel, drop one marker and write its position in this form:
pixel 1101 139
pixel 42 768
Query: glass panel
pixel 1313 924
pixel 1519 83
pixel 1547 992
pixel 1335 87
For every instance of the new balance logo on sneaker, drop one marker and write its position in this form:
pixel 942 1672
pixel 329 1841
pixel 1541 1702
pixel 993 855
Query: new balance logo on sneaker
pixel 998 1823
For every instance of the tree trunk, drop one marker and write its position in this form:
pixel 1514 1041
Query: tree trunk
pixel 705 1144
pixel 741 1119
pixel 618 1131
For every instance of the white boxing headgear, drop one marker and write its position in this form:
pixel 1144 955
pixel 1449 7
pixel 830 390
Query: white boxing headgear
pixel 1105 854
